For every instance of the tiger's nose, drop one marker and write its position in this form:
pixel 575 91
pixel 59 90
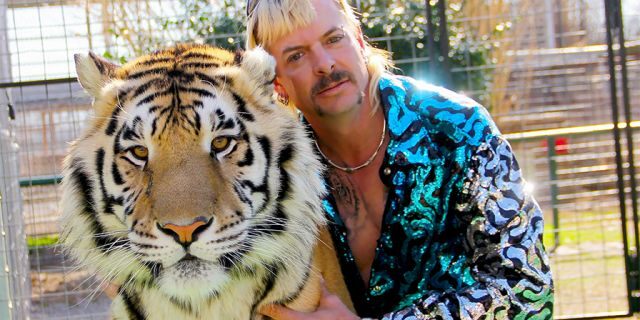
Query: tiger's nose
pixel 185 234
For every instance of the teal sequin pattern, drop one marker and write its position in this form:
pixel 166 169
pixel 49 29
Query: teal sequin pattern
pixel 460 237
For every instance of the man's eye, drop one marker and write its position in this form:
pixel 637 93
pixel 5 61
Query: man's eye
pixel 335 39
pixel 294 57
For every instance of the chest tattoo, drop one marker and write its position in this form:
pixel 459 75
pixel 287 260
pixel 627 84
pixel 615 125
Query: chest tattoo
pixel 349 203
pixel 344 190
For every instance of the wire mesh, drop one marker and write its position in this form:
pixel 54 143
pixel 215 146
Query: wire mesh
pixel 537 65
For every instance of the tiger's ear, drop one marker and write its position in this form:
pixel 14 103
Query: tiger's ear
pixel 258 63
pixel 94 72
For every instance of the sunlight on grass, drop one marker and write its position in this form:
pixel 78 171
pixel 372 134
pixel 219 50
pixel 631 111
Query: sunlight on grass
pixel 41 241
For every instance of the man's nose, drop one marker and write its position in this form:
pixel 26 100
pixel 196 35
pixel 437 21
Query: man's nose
pixel 324 61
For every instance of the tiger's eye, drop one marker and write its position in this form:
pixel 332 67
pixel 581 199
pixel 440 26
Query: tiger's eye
pixel 220 143
pixel 140 152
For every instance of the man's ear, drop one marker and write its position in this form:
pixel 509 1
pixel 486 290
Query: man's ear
pixel 279 88
pixel 360 38
pixel 94 72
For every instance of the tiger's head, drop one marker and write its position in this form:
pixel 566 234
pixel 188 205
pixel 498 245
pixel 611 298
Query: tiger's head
pixel 190 173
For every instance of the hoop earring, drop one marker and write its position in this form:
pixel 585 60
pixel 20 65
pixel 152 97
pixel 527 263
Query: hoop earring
pixel 284 99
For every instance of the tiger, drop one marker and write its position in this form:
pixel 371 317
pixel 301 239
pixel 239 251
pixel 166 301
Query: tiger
pixel 194 190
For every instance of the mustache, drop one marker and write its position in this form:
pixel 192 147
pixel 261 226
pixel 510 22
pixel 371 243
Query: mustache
pixel 330 79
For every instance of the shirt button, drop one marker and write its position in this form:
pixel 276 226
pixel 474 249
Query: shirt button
pixel 386 171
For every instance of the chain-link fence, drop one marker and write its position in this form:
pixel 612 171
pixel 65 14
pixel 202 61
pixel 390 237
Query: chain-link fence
pixel 541 67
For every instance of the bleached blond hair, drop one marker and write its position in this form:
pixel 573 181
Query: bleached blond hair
pixel 270 20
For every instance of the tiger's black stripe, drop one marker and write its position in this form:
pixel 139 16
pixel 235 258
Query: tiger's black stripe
pixel 268 283
pixel 305 279
pixel 155 95
pixel 108 207
pixel 108 201
pixel 182 305
pixel 221 116
pixel 248 159
pixel 197 125
pixel 265 145
pixel 207 79
pixel 188 124
pixel 82 182
pixel 243 112
pixel 199 92
pixel 117 176
pixel 175 105
pixel 115 172
pixel 227 124
pixel 243 198
pixel 144 87
pixel 178 75
pixel 286 154
pixel 200 65
pixel 280 223
pixel 198 55
pixel 130 134
pixel 155 60
pixel 262 188
pixel 154 127
pixel 137 75
pixel 230 260
pixel 113 121
pixel 132 302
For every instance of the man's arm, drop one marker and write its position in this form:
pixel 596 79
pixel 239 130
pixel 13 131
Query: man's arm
pixel 504 242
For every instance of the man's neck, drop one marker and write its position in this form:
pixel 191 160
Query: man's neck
pixel 349 139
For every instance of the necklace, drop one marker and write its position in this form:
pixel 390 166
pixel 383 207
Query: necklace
pixel 366 163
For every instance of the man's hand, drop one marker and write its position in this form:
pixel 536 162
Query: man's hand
pixel 330 308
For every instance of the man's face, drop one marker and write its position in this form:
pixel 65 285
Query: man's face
pixel 321 66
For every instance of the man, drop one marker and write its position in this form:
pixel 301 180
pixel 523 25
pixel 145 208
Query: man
pixel 430 217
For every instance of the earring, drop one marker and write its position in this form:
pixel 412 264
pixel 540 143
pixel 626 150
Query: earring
pixel 284 99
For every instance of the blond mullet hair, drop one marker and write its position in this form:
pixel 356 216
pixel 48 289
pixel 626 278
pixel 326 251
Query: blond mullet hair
pixel 270 20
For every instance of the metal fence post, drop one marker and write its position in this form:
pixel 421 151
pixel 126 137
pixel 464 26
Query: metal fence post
pixel 5 292
pixel 622 53
pixel 613 22
pixel 553 184
pixel 15 281
pixel 14 261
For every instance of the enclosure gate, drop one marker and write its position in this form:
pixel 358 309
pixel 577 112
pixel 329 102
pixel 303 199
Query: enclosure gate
pixel 615 37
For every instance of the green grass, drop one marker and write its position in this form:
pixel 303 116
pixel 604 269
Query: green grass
pixel 42 241
pixel 568 237
pixel 588 227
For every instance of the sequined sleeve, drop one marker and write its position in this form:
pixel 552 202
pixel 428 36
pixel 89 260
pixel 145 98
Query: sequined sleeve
pixel 503 242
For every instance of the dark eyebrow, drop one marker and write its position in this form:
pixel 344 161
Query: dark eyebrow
pixel 326 34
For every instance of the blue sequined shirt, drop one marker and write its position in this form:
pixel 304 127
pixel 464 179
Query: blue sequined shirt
pixel 460 237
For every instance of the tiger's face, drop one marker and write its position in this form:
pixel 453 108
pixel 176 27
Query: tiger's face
pixel 190 174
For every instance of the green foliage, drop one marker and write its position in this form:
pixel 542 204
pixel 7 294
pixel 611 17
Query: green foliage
pixel 201 22
pixel 161 24
pixel 401 27
pixel 397 26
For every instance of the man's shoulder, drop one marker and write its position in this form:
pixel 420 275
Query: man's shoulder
pixel 441 110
